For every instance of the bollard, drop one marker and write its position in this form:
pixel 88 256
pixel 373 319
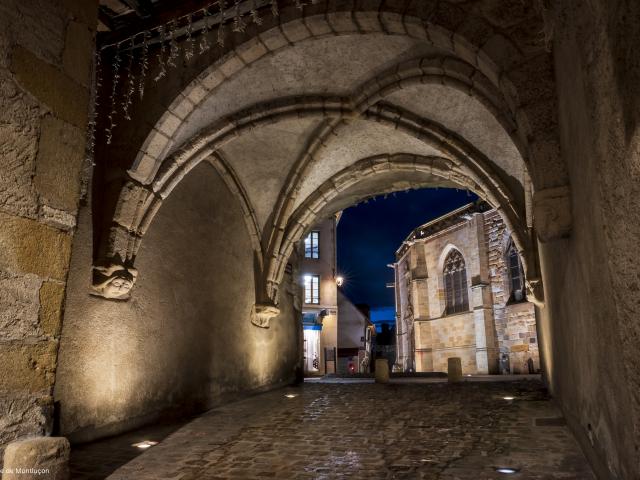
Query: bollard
pixel 41 458
pixel 454 369
pixel 382 370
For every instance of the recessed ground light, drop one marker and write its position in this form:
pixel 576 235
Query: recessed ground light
pixel 291 395
pixel 507 470
pixel 144 445
pixel 468 374
pixel 509 398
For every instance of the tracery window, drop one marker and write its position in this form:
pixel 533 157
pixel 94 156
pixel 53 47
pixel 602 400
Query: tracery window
pixel 516 274
pixel 455 283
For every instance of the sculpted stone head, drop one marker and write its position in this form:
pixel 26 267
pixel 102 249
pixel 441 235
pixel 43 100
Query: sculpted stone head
pixel 113 282
pixel 262 313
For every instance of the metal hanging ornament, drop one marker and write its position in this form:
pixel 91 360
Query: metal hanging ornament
pixel 131 86
pixel 255 16
pixel 204 43
pixel 114 88
pixel 189 50
pixel 168 51
pixel 174 48
pixel 223 6
pixel 144 63
pixel 162 63
pixel 238 24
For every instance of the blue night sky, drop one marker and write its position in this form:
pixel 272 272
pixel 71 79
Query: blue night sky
pixel 370 233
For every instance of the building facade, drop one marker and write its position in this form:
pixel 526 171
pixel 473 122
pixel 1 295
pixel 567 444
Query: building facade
pixel 460 292
pixel 319 298
pixel 338 336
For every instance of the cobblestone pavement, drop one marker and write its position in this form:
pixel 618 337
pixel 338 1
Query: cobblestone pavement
pixel 369 431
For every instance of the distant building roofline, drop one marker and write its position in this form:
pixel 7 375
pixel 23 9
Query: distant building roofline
pixel 447 220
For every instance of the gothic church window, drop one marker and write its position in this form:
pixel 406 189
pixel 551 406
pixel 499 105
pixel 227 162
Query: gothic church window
pixel 516 274
pixel 455 283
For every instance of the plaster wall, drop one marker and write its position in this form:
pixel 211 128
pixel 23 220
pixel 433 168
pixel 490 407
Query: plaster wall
pixel 324 265
pixel 184 341
pixel 352 324
pixel 590 328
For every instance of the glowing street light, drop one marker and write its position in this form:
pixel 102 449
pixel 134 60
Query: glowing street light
pixel 339 281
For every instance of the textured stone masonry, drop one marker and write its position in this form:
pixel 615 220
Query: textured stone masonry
pixel 45 71
pixel 363 431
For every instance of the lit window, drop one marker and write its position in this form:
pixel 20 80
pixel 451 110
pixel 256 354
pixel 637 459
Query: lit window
pixel 312 289
pixel 311 246
pixel 516 275
pixel 455 283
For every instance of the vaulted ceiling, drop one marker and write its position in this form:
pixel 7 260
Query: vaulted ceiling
pixel 301 115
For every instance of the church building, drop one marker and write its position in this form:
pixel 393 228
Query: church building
pixel 460 292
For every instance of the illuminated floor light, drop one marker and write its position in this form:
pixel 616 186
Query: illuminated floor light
pixel 291 395
pixel 509 398
pixel 145 444
pixel 507 470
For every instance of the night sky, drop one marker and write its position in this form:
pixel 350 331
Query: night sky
pixel 370 233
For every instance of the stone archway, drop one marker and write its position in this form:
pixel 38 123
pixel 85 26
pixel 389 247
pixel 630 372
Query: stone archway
pixel 415 97
pixel 154 177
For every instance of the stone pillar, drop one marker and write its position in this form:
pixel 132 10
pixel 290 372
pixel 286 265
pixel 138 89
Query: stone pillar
pixel 45 73
pixel 41 458
pixel 482 305
pixel 486 349
pixel 424 346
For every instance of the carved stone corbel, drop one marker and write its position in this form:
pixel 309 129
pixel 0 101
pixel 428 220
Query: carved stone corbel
pixel 535 292
pixel 262 313
pixel 552 213
pixel 113 282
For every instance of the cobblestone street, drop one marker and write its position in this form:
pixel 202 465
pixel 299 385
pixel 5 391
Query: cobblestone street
pixel 359 430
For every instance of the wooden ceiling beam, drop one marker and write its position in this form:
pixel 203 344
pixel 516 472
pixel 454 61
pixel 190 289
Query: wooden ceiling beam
pixel 143 8
pixel 163 13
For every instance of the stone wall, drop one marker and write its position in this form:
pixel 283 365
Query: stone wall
pixel 450 336
pixel 438 337
pixel 492 325
pixel 45 72
pixel 515 323
pixel 184 341
pixel 590 329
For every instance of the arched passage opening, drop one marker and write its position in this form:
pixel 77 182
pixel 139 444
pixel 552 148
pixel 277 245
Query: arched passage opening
pixel 280 100
pixel 295 132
